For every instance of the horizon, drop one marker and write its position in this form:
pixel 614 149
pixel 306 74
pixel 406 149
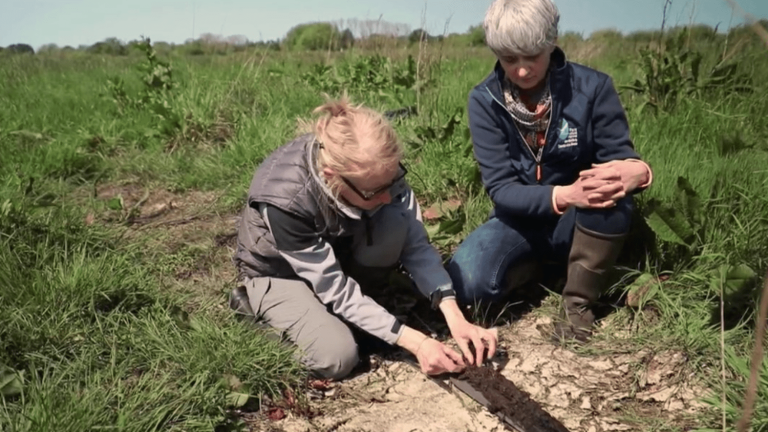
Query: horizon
pixel 44 22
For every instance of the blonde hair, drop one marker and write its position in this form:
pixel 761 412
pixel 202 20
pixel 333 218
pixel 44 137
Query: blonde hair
pixel 521 27
pixel 354 140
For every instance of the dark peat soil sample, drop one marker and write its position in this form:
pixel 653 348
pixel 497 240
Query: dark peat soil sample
pixel 503 396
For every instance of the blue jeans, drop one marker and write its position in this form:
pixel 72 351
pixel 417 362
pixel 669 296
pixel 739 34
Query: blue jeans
pixel 479 264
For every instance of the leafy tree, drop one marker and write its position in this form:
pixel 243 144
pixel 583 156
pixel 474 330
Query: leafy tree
pixel 192 47
pixel 109 46
pixel 347 39
pixel 644 36
pixel 21 49
pixel 476 35
pixel 418 35
pixel 162 48
pixel 313 36
pixel 48 49
pixel 608 35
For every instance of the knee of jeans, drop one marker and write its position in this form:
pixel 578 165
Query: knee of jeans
pixel 614 220
pixel 335 359
pixel 625 206
pixel 477 297
pixel 471 287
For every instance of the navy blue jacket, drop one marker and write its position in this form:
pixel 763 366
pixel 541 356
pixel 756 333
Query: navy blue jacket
pixel 588 125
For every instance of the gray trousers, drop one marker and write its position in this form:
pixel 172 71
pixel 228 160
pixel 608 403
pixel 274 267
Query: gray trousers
pixel 325 343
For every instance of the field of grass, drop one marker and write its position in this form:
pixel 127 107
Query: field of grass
pixel 98 332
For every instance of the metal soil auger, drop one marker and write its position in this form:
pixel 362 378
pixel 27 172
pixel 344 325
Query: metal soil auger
pixel 500 396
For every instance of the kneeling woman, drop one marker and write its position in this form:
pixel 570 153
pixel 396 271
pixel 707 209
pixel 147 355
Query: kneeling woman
pixel 328 204
pixel 552 142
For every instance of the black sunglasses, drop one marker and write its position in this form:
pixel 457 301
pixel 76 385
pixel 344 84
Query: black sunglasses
pixel 367 196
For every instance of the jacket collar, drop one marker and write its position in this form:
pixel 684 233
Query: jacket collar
pixel 558 75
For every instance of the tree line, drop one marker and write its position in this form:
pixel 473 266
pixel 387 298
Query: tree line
pixel 338 36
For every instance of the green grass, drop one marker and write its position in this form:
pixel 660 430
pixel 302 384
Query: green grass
pixel 99 339
pixel 97 343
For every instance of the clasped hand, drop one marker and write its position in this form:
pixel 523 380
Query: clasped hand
pixel 598 187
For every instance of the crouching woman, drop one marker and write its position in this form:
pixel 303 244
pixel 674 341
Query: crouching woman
pixel 325 212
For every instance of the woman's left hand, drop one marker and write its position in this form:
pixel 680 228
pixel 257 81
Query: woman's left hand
pixel 464 332
pixel 604 183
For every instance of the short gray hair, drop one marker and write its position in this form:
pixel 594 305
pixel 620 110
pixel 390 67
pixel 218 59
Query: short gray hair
pixel 521 27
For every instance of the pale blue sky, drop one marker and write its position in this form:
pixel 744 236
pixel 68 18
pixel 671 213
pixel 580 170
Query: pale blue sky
pixel 76 22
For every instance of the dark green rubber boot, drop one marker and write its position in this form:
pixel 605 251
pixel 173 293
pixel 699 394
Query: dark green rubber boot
pixel 592 255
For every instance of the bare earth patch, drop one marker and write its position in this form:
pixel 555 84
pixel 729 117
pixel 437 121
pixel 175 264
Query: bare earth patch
pixel 145 208
pixel 188 224
pixel 625 392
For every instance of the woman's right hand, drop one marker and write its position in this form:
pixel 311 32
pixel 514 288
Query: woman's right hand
pixel 436 358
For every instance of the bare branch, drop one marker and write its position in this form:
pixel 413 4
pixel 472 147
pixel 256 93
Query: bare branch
pixel 752 21
pixel 757 360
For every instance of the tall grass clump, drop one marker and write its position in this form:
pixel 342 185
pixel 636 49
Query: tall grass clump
pixel 691 106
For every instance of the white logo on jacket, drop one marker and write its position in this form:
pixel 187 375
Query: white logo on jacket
pixel 568 135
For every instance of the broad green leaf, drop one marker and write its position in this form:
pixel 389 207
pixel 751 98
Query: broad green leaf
pixel 642 289
pixel 732 279
pixel 180 317
pixel 474 176
pixel 432 230
pixel 5 208
pixel 690 200
pixel 669 224
pixel 453 226
pixel 738 276
pixel 236 399
pixel 116 203
pixel 10 382
pixel 467 145
pixel 732 144
pixel 232 382
pixel 695 66
pixel 448 128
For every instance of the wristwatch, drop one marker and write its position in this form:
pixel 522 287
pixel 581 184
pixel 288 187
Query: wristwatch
pixel 439 294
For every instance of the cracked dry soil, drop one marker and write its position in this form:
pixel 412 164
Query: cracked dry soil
pixel 595 393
